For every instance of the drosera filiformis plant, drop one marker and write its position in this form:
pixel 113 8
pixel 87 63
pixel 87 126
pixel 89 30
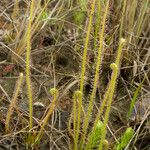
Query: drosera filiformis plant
pixel 13 102
pixel 96 76
pixel 51 108
pixel 102 25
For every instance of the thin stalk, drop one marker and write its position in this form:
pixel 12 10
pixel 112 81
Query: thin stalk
pixel 74 117
pixel 110 98
pixel 102 106
pixel 86 45
pixel 54 93
pixel 109 87
pixel 131 14
pixel 97 26
pixel 141 17
pixel 15 10
pixel 28 79
pixel 96 77
pixel 115 67
pixel 13 102
pixel 122 18
pixel 77 95
pixel 35 25
pixel 133 101
pixel 84 65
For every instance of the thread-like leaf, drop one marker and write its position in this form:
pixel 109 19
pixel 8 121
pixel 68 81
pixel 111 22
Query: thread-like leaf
pixel 133 101
pixel 76 117
pixel 94 136
pixel 111 89
pixel 51 107
pixel 28 79
pixel 96 76
pixel 13 102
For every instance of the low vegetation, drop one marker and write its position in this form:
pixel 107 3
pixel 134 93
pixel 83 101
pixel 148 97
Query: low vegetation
pixel 75 74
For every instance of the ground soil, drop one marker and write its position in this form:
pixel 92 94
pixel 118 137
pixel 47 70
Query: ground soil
pixel 57 64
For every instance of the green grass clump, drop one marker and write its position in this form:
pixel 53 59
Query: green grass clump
pixel 94 137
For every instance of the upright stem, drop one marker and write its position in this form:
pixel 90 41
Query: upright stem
pixel 28 79
pixel 115 67
pixel 84 66
pixel 96 77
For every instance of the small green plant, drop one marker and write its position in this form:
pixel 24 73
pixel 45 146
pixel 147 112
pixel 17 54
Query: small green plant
pixel 94 137
pixel 83 4
pixel 80 15
pixel 125 139
pixel 44 15
pixel 97 24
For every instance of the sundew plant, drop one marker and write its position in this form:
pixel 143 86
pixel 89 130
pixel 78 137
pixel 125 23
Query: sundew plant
pixel 74 74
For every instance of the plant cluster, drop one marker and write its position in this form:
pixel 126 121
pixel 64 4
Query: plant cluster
pixel 91 21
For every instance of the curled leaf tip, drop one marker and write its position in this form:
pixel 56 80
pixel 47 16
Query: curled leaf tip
pixel 114 67
pixel 122 41
pixel 78 93
pixel 21 75
pixel 53 91
pixel 106 144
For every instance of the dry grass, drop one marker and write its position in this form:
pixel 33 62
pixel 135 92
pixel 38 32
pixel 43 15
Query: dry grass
pixel 57 40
